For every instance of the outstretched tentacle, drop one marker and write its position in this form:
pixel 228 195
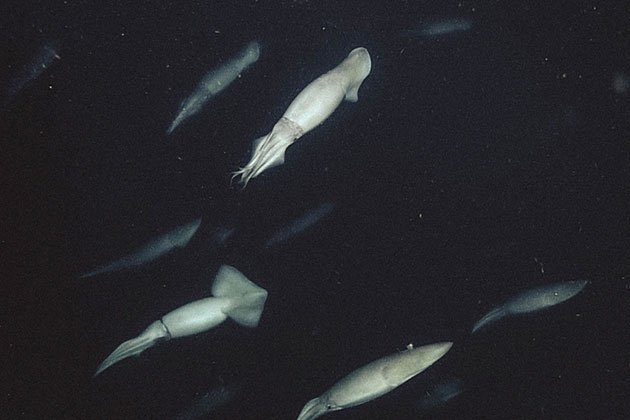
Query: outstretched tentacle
pixel 268 151
pixel 245 174
pixel 153 334
pixel 240 172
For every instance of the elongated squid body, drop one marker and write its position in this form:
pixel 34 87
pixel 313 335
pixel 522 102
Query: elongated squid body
pixel 375 379
pixel 234 296
pixel 42 59
pixel 533 300
pixel 177 238
pixel 438 28
pixel 442 393
pixel 308 110
pixel 209 402
pixel 214 82
pixel 299 225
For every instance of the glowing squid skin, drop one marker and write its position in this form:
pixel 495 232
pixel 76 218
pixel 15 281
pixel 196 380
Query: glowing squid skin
pixel 308 110
pixel 234 296
pixel 375 379
pixel 177 238
pixel 533 300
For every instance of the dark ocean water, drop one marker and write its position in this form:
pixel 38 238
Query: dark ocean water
pixel 475 165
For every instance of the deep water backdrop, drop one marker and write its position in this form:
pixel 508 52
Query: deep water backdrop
pixel 475 165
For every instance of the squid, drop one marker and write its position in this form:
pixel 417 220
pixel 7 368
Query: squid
pixel 234 296
pixel 375 379
pixel 533 300
pixel 301 224
pixel 214 82
pixel 43 58
pixel 177 238
pixel 309 109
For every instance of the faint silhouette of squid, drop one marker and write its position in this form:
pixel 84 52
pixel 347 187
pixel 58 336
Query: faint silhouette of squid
pixel 214 82
pixel 442 393
pixel 209 402
pixel 436 28
pixel 177 238
pixel 299 225
pixel 43 58
pixel 308 110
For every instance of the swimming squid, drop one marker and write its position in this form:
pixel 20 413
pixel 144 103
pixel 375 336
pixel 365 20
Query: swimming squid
pixel 436 28
pixel 301 224
pixel 234 296
pixel 214 82
pixel 42 59
pixel 309 109
pixel 442 393
pixel 533 300
pixel 177 238
pixel 375 379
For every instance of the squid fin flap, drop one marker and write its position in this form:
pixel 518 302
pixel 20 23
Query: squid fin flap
pixel 352 95
pixel 229 282
pixel 248 309
pixel 248 298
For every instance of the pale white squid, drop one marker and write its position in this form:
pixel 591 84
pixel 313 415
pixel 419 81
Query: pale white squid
pixel 375 379
pixel 308 110
pixel 234 296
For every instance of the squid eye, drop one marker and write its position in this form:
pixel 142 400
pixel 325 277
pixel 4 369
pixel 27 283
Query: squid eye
pixel 328 407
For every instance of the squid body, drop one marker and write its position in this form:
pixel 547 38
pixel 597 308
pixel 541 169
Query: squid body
pixel 533 300
pixel 308 110
pixel 214 82
pixel 177 238
pixel 375 379
pixel 234 296
pixel 44 57
pixel 301 224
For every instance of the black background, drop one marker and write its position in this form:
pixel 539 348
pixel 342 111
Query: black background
pixel 474 166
